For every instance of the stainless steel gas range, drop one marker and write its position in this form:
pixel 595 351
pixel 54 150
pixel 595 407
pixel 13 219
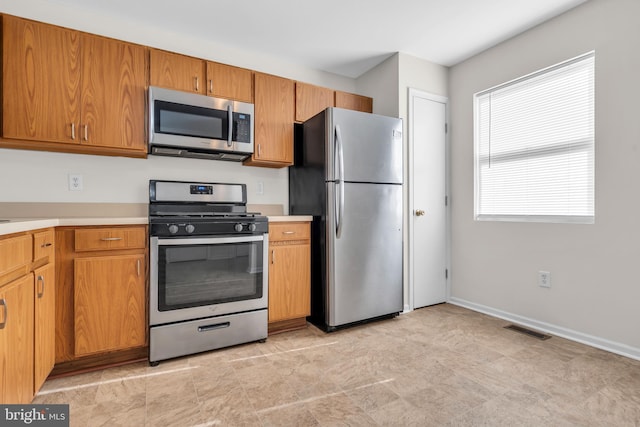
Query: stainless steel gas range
pixel 209 278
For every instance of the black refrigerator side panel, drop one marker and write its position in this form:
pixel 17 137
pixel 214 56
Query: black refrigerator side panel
pixel 307 196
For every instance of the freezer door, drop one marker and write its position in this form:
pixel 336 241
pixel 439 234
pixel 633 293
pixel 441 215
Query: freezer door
pixel 365 261
pixel 368 146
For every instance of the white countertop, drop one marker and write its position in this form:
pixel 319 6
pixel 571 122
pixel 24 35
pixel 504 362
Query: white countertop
pixel 17 225
pixel 289 218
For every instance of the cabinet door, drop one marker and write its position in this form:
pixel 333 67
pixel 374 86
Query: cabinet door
pixel 225 81
pixel 113 94
pixel 354 102
pixel 274 111
pixel 45 323
pixel 16 341
pixel 289 282
pixel 109 303
pixel 40 81
pixel 175 71
pixel 310 100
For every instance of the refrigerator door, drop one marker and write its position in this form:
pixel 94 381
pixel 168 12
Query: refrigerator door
pixel 368 146
pixel 364 263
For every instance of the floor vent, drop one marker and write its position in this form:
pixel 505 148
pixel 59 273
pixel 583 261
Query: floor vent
pixel 529 332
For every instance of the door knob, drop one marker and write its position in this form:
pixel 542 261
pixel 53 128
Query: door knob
pixel 419 212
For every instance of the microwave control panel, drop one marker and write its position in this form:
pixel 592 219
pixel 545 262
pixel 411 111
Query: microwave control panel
pixel 241 127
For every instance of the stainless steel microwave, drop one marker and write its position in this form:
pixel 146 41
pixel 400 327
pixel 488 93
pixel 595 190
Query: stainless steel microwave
pixel 185 124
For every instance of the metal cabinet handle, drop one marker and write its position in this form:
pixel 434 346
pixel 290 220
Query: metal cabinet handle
pixel 259 150
pixel 138 267
pixel 3 303
pixel 420 212
pixel 210 85
pixel 197 83
pixel 73 131
pixel 40 279
pixel 288 232
pixel 46 245
pixel 273 256
pixel 86 132
pixel 111 239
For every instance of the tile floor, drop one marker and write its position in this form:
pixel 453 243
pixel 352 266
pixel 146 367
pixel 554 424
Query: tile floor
pixel 437 366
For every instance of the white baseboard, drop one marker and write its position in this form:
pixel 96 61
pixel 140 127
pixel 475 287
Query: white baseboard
pixel 593 341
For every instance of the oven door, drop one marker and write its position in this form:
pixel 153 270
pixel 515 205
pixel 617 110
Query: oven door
pixel 201 277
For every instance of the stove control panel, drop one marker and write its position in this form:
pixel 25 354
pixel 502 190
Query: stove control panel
pixel 164 228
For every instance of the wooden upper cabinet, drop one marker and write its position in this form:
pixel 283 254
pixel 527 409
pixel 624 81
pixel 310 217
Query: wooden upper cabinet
pixel 310 100
pixel 274 101
pixel 226 81
pixel 175 71
pixel 40 81
pixel 113 94
pixel 352 101
pixel 64 86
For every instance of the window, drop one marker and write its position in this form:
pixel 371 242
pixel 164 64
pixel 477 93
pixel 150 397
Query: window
pixel 534 146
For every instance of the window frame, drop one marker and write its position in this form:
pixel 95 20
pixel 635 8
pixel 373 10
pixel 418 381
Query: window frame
pixel 589 145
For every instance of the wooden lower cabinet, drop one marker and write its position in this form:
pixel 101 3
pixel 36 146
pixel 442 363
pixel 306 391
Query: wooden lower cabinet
pixel 16 341
pixel 44 327
pixel 289 275
pixel 101 299
pixel 109 303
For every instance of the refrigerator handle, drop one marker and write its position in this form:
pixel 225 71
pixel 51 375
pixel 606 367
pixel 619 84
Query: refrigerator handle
pixel 338 152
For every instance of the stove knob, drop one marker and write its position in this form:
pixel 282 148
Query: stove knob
pixel 189 228
pixel 252 227
pixel 173 229
pixel 238 227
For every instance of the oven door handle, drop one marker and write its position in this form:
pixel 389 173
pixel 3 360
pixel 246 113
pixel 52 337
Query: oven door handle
pixel 209 240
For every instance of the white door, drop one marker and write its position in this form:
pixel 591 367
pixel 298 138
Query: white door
pixel 427 200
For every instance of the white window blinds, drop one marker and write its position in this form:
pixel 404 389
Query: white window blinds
pixel 534 146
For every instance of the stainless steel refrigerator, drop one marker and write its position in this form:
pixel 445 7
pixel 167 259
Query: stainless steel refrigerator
pixel 347 174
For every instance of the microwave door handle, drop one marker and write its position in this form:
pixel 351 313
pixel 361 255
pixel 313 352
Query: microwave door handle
pixel 230 129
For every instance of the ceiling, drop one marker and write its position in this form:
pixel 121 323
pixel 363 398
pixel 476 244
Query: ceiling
pixel 345 37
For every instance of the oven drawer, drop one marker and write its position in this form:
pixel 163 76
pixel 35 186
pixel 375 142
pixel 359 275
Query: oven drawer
pixel 179 339
pixel 110 238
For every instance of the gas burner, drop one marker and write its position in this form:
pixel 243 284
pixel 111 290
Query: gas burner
pixel 180 209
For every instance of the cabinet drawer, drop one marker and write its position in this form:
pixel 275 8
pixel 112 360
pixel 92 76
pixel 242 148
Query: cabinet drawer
pixel 43 244
pixel 289 231
pixel 15 257
pixel 100 239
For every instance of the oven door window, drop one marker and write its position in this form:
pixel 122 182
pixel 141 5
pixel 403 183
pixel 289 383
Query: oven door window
pixel 198 275
pixel 187 120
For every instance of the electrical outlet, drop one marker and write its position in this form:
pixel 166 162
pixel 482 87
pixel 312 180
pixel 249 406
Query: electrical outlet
pixel 260 189
pixel 75 182
pixel 544 279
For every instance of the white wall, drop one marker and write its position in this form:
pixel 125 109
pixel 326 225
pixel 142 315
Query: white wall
pixel 595 293
pixel 381 83
pixel 32 176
